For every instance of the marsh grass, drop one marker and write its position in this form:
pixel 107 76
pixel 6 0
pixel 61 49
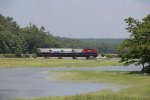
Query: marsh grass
pixel 133 86
pixel 115 77
pixel 42 62
pixel 91 97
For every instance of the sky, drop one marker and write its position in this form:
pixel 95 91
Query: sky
pixel 77 18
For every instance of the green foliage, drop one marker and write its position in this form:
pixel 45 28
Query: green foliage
pixel 105 45
pixel 9 55
pixel 34 55
pixel 26 55
pixel 16 40
pixel 15 56
pixel 136 49
pixel 111 55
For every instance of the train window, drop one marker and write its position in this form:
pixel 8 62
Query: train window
pixel 50 50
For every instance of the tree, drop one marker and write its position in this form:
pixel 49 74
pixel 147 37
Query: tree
pixel 16 40
pixel 136 49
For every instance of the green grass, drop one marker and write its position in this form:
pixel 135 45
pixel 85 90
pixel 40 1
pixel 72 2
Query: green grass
pixel 109 96
pixel 115 77
pixel 42 62
pixel 133 86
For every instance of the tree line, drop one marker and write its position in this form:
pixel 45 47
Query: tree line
pixel 17 40
pixel 103 45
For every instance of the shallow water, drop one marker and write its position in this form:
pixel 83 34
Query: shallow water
pixel 31 82
pixel 108 68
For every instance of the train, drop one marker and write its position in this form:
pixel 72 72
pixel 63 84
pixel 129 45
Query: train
pixel 67 52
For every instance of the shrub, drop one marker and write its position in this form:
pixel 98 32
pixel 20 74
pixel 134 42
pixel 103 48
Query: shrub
pixel 10 55
pixel 111 55
pixel 34 55
pixel 26 55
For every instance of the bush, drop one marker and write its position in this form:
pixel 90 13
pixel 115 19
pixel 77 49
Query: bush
pixel 111 55
pixel 146 69
pixel 102 55
pixel 34 56
pixel 19 55
pixel 26 55
pixel 60 57
pixel 1 56
pixel 10 55
pixel 15 55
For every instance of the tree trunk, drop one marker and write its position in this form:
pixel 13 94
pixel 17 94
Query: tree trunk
pixel 143 64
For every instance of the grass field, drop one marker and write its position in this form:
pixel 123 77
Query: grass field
pixel 133 86
pixel 42 62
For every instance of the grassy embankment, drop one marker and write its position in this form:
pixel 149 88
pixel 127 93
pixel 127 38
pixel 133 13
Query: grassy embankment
pixel 42 62
pixel 133 86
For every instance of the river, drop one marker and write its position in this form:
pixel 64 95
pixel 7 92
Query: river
pixel 31 82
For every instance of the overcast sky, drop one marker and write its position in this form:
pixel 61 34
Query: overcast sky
pixel 77 18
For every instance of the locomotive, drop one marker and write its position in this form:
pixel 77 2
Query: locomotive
pixel 67 52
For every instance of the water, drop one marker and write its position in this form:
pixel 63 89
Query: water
pixel 108 68
pixel 32 82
